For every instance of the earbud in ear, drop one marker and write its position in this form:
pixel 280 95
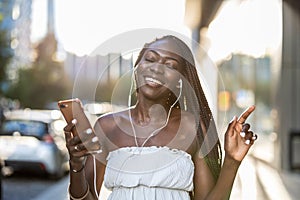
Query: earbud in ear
pixel 180 83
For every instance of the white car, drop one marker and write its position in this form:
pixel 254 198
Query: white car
pixel 34 140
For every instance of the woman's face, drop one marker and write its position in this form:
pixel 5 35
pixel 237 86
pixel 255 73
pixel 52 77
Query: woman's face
pixel 160 69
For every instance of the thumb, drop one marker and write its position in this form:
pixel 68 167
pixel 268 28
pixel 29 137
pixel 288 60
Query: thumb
pixel 231 125
pixel 68 136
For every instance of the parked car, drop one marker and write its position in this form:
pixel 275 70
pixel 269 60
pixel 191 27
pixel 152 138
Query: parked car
pixel 34 140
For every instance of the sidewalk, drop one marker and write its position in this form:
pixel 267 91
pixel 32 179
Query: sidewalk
pixel 292 183
pixel 257 179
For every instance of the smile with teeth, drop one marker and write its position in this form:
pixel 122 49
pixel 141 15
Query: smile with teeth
pixel 153 81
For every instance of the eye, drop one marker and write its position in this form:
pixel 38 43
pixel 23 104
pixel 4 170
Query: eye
pixel 171 64
pixel 149 59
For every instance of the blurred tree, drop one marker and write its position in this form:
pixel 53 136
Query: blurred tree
pixel 45 81
pixel 5 55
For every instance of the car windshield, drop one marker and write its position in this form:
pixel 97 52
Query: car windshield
pixel 30 128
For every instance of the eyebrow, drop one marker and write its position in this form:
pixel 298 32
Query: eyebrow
pixel 170 58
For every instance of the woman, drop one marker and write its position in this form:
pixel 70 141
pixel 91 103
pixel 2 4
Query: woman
pixel 164 147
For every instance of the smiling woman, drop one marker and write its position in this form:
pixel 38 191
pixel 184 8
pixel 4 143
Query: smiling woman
pixel 165 146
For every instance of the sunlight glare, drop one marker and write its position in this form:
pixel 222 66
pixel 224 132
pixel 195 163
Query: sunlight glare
pixel 247 27
pixel 81 27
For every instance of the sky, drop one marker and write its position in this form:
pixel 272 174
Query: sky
pixel 251 26
pixel 82 25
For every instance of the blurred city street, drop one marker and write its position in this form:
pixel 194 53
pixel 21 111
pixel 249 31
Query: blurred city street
pixel 245 53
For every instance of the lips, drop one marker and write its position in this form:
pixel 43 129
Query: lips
pixel 153 81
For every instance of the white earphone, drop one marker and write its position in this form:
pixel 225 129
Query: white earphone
pixel 180 84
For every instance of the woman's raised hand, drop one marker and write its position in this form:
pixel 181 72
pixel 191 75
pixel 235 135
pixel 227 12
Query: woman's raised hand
pixel 238 137
pixel 79 146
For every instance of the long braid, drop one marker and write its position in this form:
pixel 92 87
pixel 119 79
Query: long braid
pixel 196 101
pixel 212 146
pixel 213 158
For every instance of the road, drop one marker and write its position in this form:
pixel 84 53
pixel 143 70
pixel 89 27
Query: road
pixel 34 187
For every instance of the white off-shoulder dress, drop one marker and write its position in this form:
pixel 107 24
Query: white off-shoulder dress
pixel 149 173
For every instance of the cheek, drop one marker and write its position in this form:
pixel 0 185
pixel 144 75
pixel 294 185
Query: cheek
pixel 141 67
pixel 173 75
pixel 139 71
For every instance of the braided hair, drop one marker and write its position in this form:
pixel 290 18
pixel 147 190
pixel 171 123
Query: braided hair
pixel 196 103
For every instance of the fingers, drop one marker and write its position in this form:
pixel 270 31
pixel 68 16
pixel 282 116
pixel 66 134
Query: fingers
pixel 93 145
pixel 86 135
pixel 244 130
pixel 86 143
pixel 243 117
pixel 83 144
pixel 232 123
pixel 248 136
pixel 68 136
pixel 254 136
pixel 69 127
pixel 245 127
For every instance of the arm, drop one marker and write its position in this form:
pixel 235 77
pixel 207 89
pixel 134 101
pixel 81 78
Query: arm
pixel 205 185
pixel 236 148
pixel 82 163
pixel 82 183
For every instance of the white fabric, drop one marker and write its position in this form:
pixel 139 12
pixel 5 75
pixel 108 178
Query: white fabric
pixel 149 173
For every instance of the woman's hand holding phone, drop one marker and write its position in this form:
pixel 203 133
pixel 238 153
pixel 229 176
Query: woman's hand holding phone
pixel 80 137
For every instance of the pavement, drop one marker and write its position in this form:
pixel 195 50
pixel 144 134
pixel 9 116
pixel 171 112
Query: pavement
pixel 258 177
pixel 60 192
pixel 259 180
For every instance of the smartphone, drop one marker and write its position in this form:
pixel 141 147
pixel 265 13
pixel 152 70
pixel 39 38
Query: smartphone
pixel 73 109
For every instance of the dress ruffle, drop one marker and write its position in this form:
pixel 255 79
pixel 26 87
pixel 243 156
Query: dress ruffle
pixel 149 173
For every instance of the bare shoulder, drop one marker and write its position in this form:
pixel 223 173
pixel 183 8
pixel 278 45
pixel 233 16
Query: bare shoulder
pixel 109 121
pixel 111 128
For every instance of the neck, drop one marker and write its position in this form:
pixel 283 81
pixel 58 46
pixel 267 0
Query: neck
pixel 154 117
pixel 145 113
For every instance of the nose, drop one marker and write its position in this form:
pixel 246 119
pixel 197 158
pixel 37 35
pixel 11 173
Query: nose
pixel 157 68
